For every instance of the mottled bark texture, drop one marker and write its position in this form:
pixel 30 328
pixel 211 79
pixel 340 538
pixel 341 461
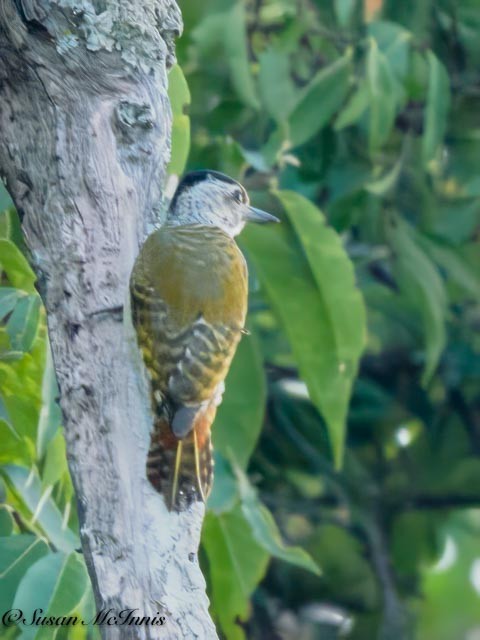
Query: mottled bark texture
pixel 84 141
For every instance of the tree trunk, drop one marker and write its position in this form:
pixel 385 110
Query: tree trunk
pixel 84 141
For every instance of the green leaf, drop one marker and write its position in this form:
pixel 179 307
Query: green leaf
pixel 312 288
pixel 56 583
pixel 320 99
pixel 43 508
pixel 208 35
pixel 50 414
pixel 456 221
pixel 381 86
pixel 17 554
pixel 236 565
pixel 88 611
pixel 275 84
pixel 22 325
pixel 448 586
pixel 16 267
pixel 21 392
pixel 277 142
pixel 394 41
pixel 224 492
pixel 7 522
pixel 354 109
pixel 5 200
pixel 10 227
pixel 236 48
pixel 345 569
pixel 9 297
pixel 381 186
pixel 437 108
pixel 265 530
pixel 457 269
pixel 6 352
pixel 3 416
pixel 344 10
pixel 421 283
pixel 13 448
pixel 21 419
pixel 240 416
pixel 179 96
pixel 55 466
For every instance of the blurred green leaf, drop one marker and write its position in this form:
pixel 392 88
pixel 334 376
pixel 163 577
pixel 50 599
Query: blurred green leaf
pixel 10 227
pixel 224 492
pixel 394 41
pixel 7 522
pixel 14 448
pixel 55 466
pixel 354 109
pixel 50 414
pixel 42 507
pixel 320 99
pixel 344 10
pixel 381 88
pixel 208 34
pixel 16 267
pixel 179 96
pixel 436 109
pixel 17 554
pixel 457 269
pixel 381 186
pixel 236 48
pixel 414 542
pixel 275 84
pixel 21 393
pixel 56 583
pixel 236 565
pixel 423 286
pixel 9 296
pixel 265 530
pixel 451 587
pixel 240 416
pixel 22 325
pixel 345 569
pixel 5 200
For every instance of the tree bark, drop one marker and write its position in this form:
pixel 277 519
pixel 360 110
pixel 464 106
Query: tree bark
pixel 84 142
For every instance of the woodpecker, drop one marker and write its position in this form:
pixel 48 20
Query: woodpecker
pixel 188 294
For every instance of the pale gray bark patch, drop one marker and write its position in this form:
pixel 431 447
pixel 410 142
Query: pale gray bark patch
pixel 84 141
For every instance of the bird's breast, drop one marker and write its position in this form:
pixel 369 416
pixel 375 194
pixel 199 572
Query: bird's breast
pixel 196 271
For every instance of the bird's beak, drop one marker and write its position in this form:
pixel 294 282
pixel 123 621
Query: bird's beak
pixel 257 215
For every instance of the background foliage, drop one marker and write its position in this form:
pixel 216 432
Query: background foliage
pixel 347 475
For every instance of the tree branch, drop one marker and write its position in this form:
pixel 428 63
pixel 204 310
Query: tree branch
pixel 447 501
pixel 84 141
pixel 395 622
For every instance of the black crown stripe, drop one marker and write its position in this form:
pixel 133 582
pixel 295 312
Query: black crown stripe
pixel 194 177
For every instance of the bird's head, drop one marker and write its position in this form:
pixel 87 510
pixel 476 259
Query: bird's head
pixel 212 198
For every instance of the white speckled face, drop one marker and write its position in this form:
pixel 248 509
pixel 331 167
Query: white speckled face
pixel 210 200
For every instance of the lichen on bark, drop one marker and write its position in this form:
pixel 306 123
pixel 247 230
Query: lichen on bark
pixel 84 143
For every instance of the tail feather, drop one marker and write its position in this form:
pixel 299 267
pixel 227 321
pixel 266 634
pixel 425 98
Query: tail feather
pixel 182 469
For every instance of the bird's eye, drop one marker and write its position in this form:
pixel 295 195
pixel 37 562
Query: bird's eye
pixel 238 196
